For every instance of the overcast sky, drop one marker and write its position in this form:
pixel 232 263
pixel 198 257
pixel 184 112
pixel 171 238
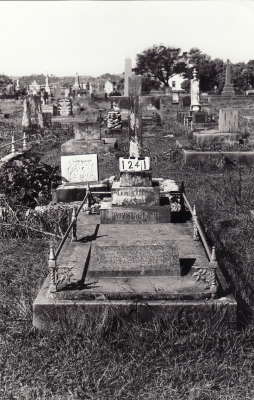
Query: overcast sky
pixel 95 37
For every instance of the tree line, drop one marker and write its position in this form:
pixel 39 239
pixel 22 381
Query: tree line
pixel 159 63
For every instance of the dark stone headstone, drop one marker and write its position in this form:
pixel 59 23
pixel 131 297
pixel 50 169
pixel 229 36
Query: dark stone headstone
pixel 186 101
pixel 199 117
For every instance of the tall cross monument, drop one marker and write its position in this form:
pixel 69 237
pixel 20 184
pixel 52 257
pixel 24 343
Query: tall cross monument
pixel 228 89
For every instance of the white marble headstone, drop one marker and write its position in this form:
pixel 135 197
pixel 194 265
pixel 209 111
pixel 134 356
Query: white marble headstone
pixel 79 168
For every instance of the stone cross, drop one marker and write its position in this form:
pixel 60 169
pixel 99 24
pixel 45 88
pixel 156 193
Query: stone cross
pixel 135 121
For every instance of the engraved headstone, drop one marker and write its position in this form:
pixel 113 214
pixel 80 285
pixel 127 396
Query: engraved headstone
pixel 64 107
pixel 79 168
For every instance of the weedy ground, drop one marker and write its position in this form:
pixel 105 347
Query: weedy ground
pixel 118 359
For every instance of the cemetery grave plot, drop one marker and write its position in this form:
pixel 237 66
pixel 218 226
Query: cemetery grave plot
pixel 136 252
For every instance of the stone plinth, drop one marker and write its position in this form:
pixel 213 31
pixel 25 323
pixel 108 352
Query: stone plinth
pixel 136 178
pixel 137 215
pixel 126 196
pixel 207 138
pixel 87 131
pixel 76 191
pixel 228 90
pixel 79 168
pixel 76 147
pixel 133 258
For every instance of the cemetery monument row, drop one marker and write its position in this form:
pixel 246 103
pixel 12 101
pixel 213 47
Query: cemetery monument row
pixel 140 258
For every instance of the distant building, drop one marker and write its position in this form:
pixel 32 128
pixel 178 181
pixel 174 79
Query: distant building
pixel 176 81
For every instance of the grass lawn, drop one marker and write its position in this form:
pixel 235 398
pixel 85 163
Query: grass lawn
pixel 116 359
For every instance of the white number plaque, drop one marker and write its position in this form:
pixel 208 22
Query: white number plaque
pixel 134 164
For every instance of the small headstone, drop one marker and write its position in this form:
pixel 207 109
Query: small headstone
pixel 79 168
pixel 175 98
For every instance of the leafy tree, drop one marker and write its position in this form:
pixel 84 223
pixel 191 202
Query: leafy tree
pixel 149 84
pixel 28 181
pixel 160 62
pixel 4 82
pixel 210 72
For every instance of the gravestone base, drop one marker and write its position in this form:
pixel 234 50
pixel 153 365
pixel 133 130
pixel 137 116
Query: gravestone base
pixel 145 303
pixel 76 191
pixel 228 90
pixel 126 196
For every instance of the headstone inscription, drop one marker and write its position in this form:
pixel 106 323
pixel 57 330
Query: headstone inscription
pixel 79 168
pixel 64 107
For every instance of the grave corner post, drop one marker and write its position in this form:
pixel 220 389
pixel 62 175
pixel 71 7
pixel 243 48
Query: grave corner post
pixel 52 270
pixel 213 265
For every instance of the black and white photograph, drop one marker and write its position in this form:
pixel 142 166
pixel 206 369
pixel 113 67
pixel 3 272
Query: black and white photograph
pixel 126 200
